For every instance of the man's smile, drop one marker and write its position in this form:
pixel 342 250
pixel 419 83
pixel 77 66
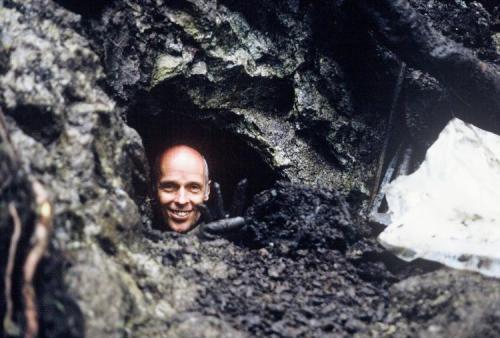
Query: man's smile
pixel 179 214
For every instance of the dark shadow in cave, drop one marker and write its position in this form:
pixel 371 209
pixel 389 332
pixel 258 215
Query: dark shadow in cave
pixel 88 8
pixel 37 122
pixel 229 157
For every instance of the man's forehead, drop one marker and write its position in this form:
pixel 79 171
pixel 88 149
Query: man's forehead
pixel 182 160
pixel 187 172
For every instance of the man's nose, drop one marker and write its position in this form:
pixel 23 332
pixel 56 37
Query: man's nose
pixel 181 196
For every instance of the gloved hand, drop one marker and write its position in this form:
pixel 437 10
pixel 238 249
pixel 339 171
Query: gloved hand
pixel 218 222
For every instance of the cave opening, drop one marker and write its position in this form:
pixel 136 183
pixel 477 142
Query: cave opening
pixel 230 157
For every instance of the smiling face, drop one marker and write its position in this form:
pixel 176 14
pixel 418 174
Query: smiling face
pixel 182 184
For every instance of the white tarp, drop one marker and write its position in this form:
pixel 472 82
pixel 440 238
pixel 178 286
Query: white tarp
pixel 449 209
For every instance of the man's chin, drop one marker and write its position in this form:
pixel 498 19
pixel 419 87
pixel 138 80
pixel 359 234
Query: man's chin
pixel 181 227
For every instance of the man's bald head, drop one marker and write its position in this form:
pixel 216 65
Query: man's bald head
pixel 181 183
pixel 182 152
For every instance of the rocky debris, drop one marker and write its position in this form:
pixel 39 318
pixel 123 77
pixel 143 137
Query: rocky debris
pixel 274 216
pixel 444 304
pixel 275 77
pixel 296 272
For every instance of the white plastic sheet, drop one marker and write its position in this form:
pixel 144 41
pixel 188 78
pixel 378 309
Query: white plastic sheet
pixel 449 209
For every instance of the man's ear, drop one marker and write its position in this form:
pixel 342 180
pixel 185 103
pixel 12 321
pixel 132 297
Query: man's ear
pixel 207 191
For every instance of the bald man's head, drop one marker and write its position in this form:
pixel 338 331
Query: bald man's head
pixel 182 183
pixel 182 150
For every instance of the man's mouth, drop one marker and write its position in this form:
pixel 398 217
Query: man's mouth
pixel 180 213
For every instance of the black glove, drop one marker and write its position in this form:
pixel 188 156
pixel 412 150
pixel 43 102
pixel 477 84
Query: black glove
pixel 218 222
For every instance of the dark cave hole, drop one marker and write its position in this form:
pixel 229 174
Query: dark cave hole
pixel 89 8
pixel 229 157
pixel 37 122
pixel 259 14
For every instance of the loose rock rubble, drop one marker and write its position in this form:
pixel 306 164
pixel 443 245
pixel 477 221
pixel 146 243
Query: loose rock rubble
pixel 299 277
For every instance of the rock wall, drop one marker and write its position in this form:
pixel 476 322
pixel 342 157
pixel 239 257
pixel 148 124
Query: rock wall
pixel 261 72
pixel 301 86
pixel 70 136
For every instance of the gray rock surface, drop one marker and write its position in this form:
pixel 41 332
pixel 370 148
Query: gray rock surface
pixel 444 304
pixel 70 137
pixel 87 89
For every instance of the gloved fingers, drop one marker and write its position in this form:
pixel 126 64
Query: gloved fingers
pixel 206 235
pixel 219 202
pixel 206 215
pixel 224 225
pixel 239 198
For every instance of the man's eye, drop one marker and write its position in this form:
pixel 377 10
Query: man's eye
pixel 167 187
pixel 195 188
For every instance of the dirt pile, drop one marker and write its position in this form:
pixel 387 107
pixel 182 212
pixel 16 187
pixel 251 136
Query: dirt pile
pixel 302 276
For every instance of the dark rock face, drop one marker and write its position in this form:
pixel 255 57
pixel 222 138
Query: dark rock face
pixel 263 77
pixel 300 89
pixel 467 23
pixel 429 105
